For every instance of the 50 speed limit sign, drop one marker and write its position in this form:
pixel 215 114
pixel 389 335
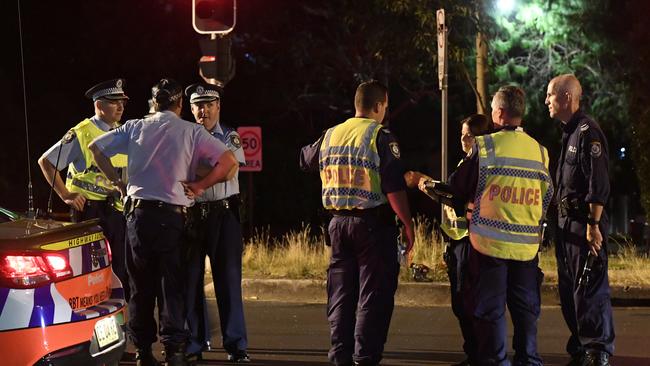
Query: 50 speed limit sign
pixel 251 142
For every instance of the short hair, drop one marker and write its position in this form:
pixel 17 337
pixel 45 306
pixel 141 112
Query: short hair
pixel 166 93
pixel 512 99
pixel 567 83
pixel 478 124
pixel 368 94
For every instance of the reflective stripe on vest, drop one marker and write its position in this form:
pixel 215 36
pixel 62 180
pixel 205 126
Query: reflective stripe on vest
pixel 513 193
pixel 349 166
pixel 91 182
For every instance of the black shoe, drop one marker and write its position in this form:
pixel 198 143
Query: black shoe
pixel 596 358
pixel 239 357
pixel 144 357
pixel 576 360
pixel 175 359
pixel 194 357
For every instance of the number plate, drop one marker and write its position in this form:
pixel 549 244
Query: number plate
pixel 106 331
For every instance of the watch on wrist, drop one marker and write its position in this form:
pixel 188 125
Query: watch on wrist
pixel 591 221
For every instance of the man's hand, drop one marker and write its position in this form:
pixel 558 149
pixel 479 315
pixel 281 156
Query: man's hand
pixel 594 239
pixel 192 189
pixel 410 238
pixel 75 200
pixel 120 186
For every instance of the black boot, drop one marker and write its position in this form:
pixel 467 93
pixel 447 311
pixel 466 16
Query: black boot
pixel 144 357
pixel 175 355
pixel 596 358
pixel 576 359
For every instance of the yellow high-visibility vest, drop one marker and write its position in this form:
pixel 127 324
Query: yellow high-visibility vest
pixel 513 193
pixel 454 226
pixel 349 166
pixel 91 182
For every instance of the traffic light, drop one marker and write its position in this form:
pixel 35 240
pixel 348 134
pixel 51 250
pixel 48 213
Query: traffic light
pixel 217 64
pixel 214 16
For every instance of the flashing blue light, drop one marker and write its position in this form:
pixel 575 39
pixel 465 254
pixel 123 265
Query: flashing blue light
pixel 621 153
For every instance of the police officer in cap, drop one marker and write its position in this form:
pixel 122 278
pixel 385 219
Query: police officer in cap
pixel 507 185
pixel 164 152
pixel 583 188
pixel 363 188
pixel 214 230
pixel 86 189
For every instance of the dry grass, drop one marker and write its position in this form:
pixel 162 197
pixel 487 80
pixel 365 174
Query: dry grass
pixel 300 255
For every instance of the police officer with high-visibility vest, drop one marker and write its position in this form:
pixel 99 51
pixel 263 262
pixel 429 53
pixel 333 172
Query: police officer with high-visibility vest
pixel 86 189
pixel 508 187
pixel 455 229
pixel 583 188
pixel 363 187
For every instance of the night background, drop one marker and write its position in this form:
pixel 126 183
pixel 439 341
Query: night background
pixel 297 64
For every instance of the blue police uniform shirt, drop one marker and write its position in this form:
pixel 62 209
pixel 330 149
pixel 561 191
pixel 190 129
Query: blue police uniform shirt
pixel 391 167
pixel 164 150
pixel 220 191
pixel 71 150
pixel 582 171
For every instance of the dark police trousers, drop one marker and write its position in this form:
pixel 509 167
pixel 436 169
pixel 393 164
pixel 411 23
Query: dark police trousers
pixel 456 256
pixel 361 285
pixel 155 264
pixel 493 283
pixel 218 236
pixel 113 225
pixel 587 311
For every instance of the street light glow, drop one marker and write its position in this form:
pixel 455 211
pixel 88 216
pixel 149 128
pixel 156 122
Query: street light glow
pixel 505 6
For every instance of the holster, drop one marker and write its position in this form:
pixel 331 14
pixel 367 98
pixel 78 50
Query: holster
pixel 573 207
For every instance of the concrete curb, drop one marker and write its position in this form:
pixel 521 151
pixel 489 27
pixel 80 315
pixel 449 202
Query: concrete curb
pixel 408 293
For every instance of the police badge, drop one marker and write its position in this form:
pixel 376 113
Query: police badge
pixel 394 148
pixel 235 141
pixel 68 137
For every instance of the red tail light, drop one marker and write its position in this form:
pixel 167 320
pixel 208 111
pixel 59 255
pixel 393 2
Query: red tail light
pixel 28 271
pixel 110 254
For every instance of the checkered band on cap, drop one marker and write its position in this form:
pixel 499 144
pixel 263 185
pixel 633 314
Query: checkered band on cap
pixel 112 88
pixel 200 94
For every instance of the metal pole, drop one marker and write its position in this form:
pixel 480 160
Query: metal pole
pixel 442 83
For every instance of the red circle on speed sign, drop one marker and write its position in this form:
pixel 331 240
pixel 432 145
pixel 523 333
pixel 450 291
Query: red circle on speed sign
pixel 251 143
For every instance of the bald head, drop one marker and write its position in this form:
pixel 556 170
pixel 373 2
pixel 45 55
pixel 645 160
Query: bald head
pixel 563 96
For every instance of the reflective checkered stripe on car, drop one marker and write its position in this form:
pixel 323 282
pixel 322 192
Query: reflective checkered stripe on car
pixel 47 305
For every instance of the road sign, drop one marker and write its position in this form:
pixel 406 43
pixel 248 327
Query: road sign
pixel 251 142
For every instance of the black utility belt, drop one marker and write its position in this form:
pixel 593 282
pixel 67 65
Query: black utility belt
pixel 573 207
pixel 383 212
pixel 154 205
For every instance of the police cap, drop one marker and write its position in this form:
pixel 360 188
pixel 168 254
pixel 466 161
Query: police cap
pixel 111 89
pixel 202 92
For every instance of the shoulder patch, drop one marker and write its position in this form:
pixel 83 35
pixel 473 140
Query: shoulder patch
pixel 595 150
pixel 394 149
pixel 68 137
pixel 234 140
pixel 584 127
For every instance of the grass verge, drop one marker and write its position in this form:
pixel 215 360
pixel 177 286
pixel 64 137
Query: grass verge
pixel 301 255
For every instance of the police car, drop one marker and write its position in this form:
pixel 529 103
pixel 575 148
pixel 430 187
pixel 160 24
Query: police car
pixel 60 302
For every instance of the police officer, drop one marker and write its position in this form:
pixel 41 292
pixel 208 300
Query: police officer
pixel 363 178
pixel 216 232
pixel 455 229
pixel 164 152
pixel 87 190
pixel 583 187
pixel 507 183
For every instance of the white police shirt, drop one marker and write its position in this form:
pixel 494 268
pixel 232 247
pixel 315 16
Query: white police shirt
pixel 164 150
pixel 70 150
pixel 219 191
